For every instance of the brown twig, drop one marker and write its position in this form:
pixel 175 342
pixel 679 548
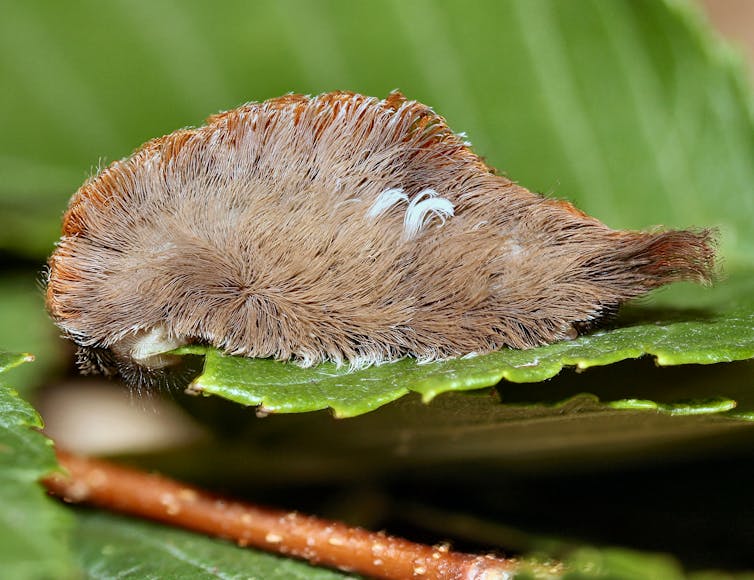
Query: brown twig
pixel 316 540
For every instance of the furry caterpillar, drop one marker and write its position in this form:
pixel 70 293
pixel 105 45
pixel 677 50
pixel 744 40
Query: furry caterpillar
pixel 337 227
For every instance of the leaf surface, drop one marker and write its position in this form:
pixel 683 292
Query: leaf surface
pixel 110 546
pixel 33 527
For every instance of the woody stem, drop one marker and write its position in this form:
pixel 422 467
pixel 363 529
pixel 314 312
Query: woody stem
pixel 320 542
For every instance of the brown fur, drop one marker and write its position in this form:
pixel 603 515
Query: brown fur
pixel 251 234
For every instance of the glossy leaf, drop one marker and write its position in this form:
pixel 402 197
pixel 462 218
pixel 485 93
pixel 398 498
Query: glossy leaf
pixel 33 527
pixel 109 546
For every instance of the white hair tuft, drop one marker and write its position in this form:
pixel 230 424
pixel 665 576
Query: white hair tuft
pixel 420 211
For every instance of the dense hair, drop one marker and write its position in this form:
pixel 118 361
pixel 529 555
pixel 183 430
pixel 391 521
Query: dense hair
pixel 339 227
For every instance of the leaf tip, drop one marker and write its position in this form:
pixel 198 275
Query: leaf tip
pixel 194 388
pixel 429 396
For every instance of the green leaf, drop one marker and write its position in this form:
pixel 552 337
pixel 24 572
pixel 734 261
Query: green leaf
pixel 590 563
pixel 33 527
pixel 629 412
pixel 705 326
pixel 620 564
pixel 10 360
pixel 110 546
pixel 630 108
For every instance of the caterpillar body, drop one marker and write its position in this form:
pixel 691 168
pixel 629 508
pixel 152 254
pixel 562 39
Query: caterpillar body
pixel 337 227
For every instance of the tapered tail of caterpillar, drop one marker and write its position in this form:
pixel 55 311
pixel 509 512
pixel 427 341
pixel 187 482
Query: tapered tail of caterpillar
pixel 638 262
pixel 674 256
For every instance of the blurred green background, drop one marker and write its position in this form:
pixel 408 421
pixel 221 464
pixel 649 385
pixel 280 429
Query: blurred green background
pixel 623 107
